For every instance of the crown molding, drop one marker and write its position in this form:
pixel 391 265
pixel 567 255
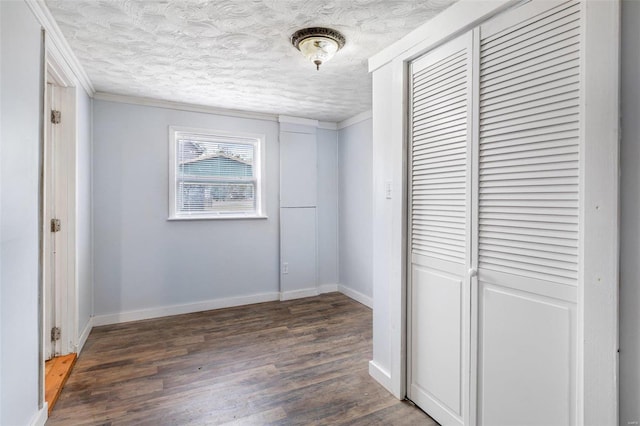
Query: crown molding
pixel 328 125
pixel 62 48
pixel 366 115
pixel 180 106
pixel 297 120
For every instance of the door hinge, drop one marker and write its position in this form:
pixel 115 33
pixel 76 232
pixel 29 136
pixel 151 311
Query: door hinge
pixel 55 116
pixel 56 225
pixel 55 334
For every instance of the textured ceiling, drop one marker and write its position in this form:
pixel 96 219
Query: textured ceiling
pixel 236 54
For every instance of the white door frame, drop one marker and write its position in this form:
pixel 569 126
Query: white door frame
pixel 66 289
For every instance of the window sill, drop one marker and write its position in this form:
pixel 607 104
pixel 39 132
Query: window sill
pixel 229 217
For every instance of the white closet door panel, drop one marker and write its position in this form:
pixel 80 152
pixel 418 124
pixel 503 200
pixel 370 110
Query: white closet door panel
pixel 526 352
pixel 439 225
pixel 528 217
pixel 440 340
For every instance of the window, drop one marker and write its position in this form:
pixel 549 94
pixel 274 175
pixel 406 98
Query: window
pixel 215 174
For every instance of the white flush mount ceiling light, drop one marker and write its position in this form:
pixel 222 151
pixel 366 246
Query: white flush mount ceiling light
pixel 318 44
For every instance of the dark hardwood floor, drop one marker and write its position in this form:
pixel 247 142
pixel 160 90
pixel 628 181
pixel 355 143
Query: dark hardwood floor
pixel 301 362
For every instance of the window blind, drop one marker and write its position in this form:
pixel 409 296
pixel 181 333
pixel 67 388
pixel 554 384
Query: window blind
pixel 215 175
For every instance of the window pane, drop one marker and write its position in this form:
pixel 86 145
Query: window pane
pixel 213 158
pixel 215 174
pixel 198 197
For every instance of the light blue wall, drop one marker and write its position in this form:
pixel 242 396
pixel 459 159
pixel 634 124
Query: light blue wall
pixel 355 145
pixel 20 78
pixel 84 259
pixel 144 261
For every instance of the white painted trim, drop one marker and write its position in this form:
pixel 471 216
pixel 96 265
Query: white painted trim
pixel 57 69
pixel 92 219
pixel 356 295
pixel 461 16
pixel 599 207
pixel 298 120
pixel 163 311
pixel 328 288
pixel 181 106
pixel 43 15
pixel 298 294
pixel 398 267
pixel 328 125
pixel 65 138
pixel 358 118
pixel 186 308
pixel 82 339
pixel 382 376
pixel 40 418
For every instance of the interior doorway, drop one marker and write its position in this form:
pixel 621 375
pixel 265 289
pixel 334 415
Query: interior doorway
pixel 59 337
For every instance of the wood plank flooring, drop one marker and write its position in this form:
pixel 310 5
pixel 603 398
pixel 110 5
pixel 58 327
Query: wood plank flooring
pixel 300 362
pixel 56 373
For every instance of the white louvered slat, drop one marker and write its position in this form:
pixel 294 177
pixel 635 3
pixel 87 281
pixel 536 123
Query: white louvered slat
pixel 439 139
pixel 531 33
pixel 491 231
pixel 544 97
pixel 434 89
pixel 443 67
pixel 529 149
pixel 533 88
pixel 529 45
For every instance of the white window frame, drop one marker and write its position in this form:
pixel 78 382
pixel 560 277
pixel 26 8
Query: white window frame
pixel 259 170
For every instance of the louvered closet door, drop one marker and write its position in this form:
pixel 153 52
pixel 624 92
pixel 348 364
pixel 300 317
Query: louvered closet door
pixel 528 215
pixel 439 307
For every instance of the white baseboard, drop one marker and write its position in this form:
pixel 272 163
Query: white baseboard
pixel 40 418
pixel 82 339
pixel 356 295
pixel 299 294
pixel 380 375
pixel 188 308
pixel 327 288
pixel 308 292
